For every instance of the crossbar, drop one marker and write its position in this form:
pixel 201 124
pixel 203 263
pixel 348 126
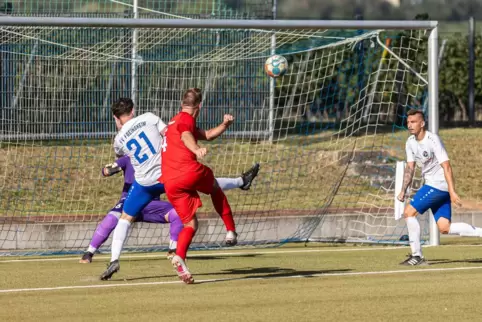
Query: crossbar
pixel 215 23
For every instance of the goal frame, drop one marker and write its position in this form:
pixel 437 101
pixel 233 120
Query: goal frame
pixel 430 26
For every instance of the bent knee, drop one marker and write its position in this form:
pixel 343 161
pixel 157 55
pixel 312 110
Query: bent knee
pixel 444 229
pixel 409 211
pixel 443 225
pixel 127 217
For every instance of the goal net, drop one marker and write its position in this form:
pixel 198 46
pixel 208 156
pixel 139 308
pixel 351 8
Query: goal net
pixel 327 137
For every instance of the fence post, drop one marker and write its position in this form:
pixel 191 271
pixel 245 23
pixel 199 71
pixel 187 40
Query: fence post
pixel 471 102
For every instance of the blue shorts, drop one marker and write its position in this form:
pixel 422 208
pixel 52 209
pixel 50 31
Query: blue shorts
pixel 139 196
pixel 437 200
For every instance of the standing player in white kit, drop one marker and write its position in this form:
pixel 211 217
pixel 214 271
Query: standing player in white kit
pixel 140 139
pixel 438 192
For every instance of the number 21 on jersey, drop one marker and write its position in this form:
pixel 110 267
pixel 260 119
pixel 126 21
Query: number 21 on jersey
pixel 134 144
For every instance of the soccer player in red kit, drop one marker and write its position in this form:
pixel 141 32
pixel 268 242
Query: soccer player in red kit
pixel 183 176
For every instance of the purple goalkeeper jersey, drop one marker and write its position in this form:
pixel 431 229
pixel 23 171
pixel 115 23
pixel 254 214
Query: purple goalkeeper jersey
pixel 125 164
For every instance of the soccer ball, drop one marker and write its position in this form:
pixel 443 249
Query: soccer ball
pixel 276 66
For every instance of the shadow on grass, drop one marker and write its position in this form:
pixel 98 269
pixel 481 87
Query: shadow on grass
pixel 248 273
pixel 449 261
pixel 269 272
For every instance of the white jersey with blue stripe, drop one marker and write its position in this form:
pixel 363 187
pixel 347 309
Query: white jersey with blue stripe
pixel 140 138
pixel 428 154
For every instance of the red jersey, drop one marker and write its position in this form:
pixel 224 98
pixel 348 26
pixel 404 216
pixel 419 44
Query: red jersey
pixel 177 160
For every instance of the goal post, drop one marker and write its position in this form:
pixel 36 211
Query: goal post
pixel 433 112
pixel 328 142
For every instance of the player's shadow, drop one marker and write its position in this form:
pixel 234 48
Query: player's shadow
pixel 262 272
pixel 267 273
pixel 247 273
pixel 450 261
pixel 256 270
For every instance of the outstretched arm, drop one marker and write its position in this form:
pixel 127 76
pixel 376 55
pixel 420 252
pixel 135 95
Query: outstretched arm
pixel 213 133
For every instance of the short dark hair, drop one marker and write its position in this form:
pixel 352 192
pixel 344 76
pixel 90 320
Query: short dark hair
pixel 123 106
pixel 415 112
pixel 192 97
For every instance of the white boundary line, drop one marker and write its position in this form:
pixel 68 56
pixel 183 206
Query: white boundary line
pixel 63 258
pixel 240 253
pixel 59 288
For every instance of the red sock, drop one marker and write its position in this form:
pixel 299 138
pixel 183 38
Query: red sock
pixel 222 207
pixel 184 241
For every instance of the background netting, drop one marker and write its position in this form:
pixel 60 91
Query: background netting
pixel 327 139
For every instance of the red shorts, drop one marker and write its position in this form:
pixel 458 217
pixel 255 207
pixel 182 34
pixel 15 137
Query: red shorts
pixel 182 192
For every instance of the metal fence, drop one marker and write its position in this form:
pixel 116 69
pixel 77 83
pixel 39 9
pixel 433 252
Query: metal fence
pixel 37 104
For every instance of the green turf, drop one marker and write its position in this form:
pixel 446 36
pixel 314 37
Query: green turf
pixel 254 285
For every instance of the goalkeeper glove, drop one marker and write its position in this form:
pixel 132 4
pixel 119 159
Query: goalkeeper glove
pixel 110 169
